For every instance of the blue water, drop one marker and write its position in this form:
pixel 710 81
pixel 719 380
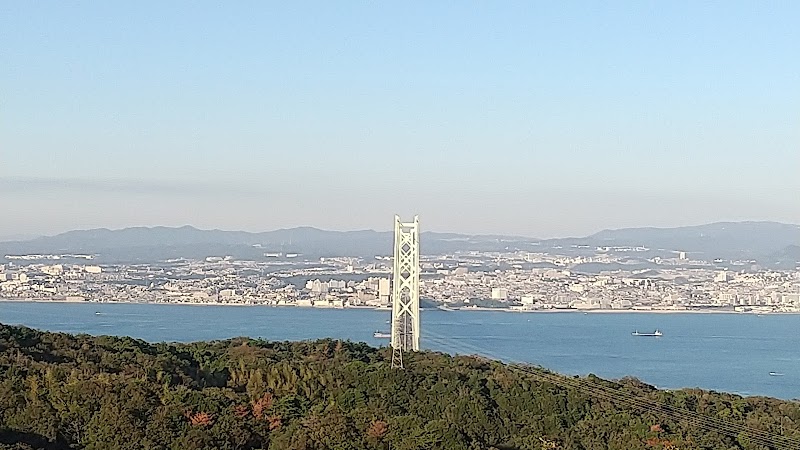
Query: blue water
pixel 724 352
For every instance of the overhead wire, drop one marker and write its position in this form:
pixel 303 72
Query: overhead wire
pixel 730 429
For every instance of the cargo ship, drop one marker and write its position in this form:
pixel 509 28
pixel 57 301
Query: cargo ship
pixel 655 333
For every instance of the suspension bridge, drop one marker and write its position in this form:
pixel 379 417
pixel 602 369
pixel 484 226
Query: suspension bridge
pixel 406 331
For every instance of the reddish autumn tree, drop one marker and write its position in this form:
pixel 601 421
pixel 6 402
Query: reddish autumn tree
pixel 261 405
pixel 377 429
pixel 274 422
pixel 201 419
pixel 241 411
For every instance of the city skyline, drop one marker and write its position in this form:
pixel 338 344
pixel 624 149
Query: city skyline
pixel 531 119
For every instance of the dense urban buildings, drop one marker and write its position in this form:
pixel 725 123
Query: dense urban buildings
pixel 514 281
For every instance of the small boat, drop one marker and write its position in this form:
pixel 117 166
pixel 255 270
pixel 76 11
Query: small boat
pixel 775 374
pixel 381 335
pixel 97 313
pixel 655 333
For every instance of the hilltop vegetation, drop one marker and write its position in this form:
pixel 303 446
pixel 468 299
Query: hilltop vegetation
pixel 59 391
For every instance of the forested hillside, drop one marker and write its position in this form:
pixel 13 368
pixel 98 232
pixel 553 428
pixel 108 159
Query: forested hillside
pixel 59 391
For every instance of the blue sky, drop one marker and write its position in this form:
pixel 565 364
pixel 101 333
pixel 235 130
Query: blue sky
pixel 535 118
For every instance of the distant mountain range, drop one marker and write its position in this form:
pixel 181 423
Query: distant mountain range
pixel 728 240
pixel 769 243
pixel 158 243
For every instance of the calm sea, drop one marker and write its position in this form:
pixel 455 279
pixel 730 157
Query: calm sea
pixel 724 352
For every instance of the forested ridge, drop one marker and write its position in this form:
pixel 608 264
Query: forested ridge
pixel 60 391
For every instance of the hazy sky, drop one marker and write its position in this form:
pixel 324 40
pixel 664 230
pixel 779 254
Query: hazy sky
pixel 535 118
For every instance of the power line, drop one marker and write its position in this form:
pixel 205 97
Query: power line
pixel 731 429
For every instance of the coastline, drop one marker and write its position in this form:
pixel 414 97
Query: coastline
pixel 117 302
pixel 568 343
pixel 628 311
pixel 469 309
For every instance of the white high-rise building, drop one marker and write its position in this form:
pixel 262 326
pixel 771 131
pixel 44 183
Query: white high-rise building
pixel 499 293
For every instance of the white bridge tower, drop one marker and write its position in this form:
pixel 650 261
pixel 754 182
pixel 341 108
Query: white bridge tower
pixel 405 290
